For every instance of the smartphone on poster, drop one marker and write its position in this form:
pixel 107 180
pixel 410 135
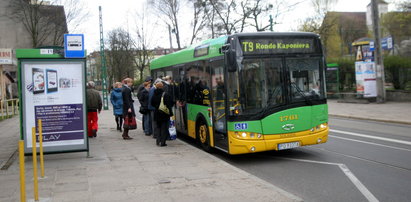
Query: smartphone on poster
pixel 52 84
pixel 38 80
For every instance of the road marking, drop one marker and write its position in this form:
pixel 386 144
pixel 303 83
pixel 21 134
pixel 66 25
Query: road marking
pixel 399 148
pixel 371 137
pixel 348 173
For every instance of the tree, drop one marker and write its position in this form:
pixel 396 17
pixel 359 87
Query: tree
pixel 120 55
pixel 76 13
pixel 45 24
pixel 224 11
pixel 318 23
pixel 254 11
pixel 168 10
pixel 142 55
pixel 200 19
pixel 232 16
pixel 259 9
pixel 397 24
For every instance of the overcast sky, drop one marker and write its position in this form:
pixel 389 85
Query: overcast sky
pixel 121 13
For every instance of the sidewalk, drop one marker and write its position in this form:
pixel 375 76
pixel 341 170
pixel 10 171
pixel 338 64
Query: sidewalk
pixel 9 137
pixel 391 112
pixel 137 170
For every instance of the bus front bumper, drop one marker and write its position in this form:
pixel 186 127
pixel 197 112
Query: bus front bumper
pixel 271 142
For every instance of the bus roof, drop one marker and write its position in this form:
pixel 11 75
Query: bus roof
pixel 277 34
pixel 187 55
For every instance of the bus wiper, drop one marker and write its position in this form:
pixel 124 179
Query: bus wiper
pixel 302 94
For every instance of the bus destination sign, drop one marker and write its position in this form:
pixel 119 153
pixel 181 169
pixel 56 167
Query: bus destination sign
pixel 277 46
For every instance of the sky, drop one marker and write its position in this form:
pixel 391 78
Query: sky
pixel 122 13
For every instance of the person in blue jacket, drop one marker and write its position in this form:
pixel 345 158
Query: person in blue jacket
pixel 117 102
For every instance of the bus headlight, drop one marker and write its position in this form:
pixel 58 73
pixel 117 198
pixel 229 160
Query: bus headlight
pixel 320 127
pixel 246 135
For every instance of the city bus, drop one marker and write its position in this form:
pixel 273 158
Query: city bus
pixel 249 92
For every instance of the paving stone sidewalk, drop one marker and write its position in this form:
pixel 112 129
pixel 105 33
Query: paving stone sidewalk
pixel 138 170
pixel 391 112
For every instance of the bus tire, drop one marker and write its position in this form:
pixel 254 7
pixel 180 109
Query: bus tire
pixel 203 135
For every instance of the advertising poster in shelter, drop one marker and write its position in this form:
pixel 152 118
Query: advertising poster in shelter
pixel 365 76
pixel 55 93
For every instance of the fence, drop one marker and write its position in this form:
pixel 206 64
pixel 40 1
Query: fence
pixel 8 108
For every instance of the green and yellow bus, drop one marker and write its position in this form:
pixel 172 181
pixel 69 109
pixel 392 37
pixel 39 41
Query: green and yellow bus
pixel 250 92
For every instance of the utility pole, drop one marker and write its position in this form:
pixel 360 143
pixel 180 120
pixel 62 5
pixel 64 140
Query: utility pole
pixel 170 38
pixel 381 97
pixel 103 64
pixel 271 23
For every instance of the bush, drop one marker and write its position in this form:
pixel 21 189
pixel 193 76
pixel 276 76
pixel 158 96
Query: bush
pixel 137 82
pixel 346 67
pixel 397 70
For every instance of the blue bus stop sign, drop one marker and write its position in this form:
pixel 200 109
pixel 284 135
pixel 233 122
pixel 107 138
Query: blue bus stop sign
pixel 74 46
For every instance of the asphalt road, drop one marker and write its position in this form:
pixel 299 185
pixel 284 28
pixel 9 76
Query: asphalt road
pixel 362 161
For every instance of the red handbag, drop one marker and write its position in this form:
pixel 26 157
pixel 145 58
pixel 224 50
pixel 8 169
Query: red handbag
pixel 130 122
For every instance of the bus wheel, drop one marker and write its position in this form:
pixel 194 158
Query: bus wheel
pixel 203 136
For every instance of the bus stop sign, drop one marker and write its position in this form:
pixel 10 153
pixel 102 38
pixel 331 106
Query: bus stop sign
pixel 74 46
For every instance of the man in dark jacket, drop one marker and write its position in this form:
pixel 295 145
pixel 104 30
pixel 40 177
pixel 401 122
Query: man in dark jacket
pixel 94 105
pixel 141 86
pixel 143 98
pixel 128 106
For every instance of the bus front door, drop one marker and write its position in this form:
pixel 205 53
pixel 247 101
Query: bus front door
pixel 218 100
pixel 181 106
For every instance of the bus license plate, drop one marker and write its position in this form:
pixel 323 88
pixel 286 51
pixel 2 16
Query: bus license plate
pixel 288 145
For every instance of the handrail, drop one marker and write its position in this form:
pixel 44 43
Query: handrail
pixel 9 108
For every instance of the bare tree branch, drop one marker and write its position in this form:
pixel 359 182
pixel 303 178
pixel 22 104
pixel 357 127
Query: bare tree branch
pixel 45 24
pixel 169 10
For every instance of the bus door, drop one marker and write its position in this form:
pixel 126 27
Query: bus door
pixel 218 104
pixel 181 105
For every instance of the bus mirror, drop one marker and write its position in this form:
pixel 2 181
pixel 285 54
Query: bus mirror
pixel 231 60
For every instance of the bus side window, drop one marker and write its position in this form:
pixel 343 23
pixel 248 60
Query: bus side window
pixel 203 85
pixel 191 78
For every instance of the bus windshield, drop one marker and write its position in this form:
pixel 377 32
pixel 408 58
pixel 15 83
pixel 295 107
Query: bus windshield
pixel 306 83
pixel 263 83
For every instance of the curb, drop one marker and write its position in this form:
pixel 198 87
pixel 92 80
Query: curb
pixel 277 189
pixel 370 119
pixel 9 161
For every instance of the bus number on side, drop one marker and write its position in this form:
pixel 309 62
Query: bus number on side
pixel 288 117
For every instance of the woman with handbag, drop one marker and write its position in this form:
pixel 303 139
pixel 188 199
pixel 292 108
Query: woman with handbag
pixel 128 108
pixel 163 103
pixel 116 99
pixel 143 98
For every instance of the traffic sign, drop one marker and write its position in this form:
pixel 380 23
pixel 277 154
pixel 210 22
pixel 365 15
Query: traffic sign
pixel 372 46
pixel 386 43
pixel 74 46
